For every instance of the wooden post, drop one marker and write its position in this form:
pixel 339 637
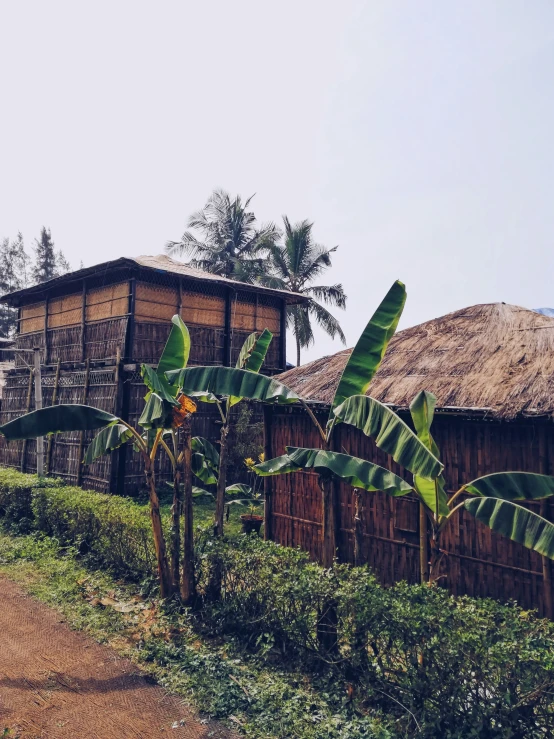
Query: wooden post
pixel 83 321
pixel 423 545
pixel 545 511
pixel 54 399
pixel 358 528
pixel 130 335
pixel 283 337
pixel 117 410
pixel 82 436
pixel 547 572
pixel 46 331
pixel 227 339
pixel 27 409
pixel 38 406
pixel 268 508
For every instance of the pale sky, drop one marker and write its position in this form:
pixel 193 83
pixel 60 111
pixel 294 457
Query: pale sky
pixel 417 135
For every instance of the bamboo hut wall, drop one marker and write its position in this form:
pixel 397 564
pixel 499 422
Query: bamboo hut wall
pixel 66 310
pixel 107 302
pixel 477 561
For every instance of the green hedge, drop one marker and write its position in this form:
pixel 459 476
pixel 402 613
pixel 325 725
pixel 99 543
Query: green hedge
pixel 445 666
pixel 113 532
pixel 439 666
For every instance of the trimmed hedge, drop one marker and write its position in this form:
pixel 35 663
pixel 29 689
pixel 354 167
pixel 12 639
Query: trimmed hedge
pixel 435 664
pixel 445 666
pixel 113 532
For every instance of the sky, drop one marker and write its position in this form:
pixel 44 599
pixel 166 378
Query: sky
pixel 417 136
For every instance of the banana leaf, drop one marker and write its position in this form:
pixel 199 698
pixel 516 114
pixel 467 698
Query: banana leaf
pixel 175 354
pixel 229 381
pixel 109 438
pixel 57 419
pixel 432 492
pixel 390 433
pixel 372 344
pixel 238 489
pixel 512 486
pixel 158 385
pixel 205 460
pixel 258 353
pixel 515 522
pixel 156 413
pixel 246 350
pixel 356 472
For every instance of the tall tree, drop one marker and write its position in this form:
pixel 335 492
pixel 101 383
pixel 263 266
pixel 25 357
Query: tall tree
pixel 14 275
pixel 295 265
pixel 45 266
pixel 229 242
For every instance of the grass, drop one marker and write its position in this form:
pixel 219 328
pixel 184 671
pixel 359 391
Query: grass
pixel 216 676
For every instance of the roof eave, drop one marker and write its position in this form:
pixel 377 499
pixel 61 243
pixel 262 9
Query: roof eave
pixel 14 298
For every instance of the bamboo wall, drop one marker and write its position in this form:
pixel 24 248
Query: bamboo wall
pixel 477 561
pixel 92 343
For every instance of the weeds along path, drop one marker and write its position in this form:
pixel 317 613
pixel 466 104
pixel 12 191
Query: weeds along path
pixel 59 684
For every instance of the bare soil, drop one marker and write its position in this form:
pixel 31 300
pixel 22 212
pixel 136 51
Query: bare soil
pixel 57 683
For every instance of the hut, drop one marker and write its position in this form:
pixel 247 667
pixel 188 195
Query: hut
pixel 492 370
pixel 95 327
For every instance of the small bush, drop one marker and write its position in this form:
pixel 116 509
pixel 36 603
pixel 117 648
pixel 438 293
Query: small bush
pixel 446 666
pixel 113 532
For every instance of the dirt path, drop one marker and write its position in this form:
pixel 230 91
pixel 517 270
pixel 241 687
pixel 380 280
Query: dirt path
pixel 56 683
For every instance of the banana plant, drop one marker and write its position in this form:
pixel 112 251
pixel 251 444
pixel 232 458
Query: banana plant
pixel 400 440
pixel 491 499
pixel 166 410
pixel 227 386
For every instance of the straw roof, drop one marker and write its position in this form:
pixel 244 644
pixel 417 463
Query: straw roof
pixel 495 359
pixel 161 264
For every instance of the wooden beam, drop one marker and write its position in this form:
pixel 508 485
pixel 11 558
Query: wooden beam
pixel 268 454
pixel 54 400
pixel 83 320
pixel 130 333
pixel 228 337
pixel 27 409
pixel 82 436
pixel 283 336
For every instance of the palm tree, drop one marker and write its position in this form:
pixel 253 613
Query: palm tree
pixel 230 243
pixel 295 264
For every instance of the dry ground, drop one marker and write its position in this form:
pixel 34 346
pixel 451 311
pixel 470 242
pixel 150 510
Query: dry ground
pixel 56 683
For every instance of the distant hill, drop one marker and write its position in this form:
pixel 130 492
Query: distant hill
pixel 545 311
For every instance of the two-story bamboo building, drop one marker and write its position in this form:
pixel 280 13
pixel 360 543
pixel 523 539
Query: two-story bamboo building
pixel 95 327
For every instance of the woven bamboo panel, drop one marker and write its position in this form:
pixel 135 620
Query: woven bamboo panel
pixel 247 316
pixel 65 311
pixel 29 341
pixel 107 302
pixel 104 338
pixel 65 344
pixel 476 562
pixel 155 303
pixel 203 309
pixel 32 318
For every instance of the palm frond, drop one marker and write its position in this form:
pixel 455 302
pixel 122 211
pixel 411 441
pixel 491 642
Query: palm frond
pixel 330 294
pixel 326 320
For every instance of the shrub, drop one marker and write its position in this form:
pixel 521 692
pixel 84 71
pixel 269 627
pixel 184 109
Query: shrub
pixel 113 532
pixel 448 667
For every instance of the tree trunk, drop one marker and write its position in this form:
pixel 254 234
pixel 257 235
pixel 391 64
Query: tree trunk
pixel 423 545
pixel 329 523
pixel 157 531
pixel 222 480
pixel 297 352
pixel 188 583
pixel 176 527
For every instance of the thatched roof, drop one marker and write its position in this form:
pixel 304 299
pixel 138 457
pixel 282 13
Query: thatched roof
pixel 495 359
pixel 160 264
